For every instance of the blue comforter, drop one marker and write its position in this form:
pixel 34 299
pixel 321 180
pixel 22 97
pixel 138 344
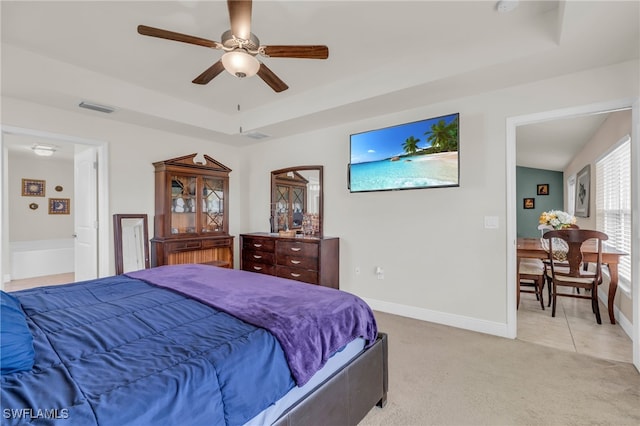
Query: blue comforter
pixel 118 351
pixel 310 322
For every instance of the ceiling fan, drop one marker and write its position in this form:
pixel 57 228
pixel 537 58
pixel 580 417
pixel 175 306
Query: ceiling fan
pixel 241 47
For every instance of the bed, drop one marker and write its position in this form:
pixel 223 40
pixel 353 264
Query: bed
pixel 193 345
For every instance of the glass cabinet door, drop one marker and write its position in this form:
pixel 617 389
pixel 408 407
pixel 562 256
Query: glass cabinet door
pixel 212 205
pixel 183 204
pixel 297 206
pixel 282 207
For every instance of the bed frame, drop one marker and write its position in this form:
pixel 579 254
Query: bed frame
pixel 348 395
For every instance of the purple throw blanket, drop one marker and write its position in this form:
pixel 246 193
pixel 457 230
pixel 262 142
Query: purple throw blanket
pixel 310 322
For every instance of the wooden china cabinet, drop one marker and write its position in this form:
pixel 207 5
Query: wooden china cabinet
pixel 192 212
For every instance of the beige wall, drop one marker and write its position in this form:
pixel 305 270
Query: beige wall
pixel 27 224
pixel 440 263
pixel 616 126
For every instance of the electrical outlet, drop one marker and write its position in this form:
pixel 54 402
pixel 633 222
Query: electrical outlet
pixel 380 276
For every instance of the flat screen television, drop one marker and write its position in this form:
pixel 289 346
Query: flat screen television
pixel 421 154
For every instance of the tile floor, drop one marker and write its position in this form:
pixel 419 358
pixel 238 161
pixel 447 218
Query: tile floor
pixel 574 328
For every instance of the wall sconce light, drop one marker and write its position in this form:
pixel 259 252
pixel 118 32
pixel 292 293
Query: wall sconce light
pixel 43 150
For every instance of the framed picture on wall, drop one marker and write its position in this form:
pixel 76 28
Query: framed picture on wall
pixel 529 203
pixel 583 188
pixel 33 187
pixel 59 205
pixel 543 189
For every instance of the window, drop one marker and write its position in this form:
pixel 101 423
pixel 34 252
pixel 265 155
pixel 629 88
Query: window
pixel 613 203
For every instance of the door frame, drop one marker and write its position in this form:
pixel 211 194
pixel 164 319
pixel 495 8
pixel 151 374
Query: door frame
pixel 511 125
pixel 103 193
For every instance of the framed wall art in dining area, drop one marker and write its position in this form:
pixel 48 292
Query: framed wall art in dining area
pixel 529 203
pixel 543 189
pixel 583 188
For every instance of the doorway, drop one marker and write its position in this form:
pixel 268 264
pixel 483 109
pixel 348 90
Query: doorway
pixel 14 135
pixel 512 124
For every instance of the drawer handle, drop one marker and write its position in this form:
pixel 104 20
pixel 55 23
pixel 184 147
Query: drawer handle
pixel 295 262
pixel 295 249
pixel 256 256
pixel 295 275
pixel 257 245
pixel 257 268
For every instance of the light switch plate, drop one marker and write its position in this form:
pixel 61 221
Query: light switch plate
pixel 491 222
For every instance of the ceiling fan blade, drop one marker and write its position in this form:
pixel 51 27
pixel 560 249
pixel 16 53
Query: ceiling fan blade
pixel 209 73
pixel 304 52
pixel 271 79
pixel 240 18
pixel 170 35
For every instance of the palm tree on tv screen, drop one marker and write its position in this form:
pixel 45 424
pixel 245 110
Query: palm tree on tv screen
pixel 410 145
pixel 443 136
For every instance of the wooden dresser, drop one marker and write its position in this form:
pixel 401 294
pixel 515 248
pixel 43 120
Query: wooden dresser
pixel 310 259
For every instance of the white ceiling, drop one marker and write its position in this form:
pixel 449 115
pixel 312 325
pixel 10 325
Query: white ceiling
pixel 384 57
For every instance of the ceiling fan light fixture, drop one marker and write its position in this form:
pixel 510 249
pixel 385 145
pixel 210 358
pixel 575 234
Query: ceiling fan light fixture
pixel 240 63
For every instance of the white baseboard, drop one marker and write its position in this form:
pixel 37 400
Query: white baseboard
pixel 459 321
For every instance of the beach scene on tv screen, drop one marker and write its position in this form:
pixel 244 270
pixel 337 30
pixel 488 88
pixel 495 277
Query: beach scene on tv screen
pixel 421 154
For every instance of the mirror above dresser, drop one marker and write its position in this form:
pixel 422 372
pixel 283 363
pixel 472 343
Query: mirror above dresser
pixel 297 200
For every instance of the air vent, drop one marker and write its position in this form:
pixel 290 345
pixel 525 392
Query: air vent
pixel 96 107
pixel 256 135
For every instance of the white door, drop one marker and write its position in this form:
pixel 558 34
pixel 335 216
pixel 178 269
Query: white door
pixel 85 214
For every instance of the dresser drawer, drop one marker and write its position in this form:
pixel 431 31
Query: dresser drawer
pixel 297 274
pixel 182 246
pixel 296 248
pixel 262 268
pixel 261 244
pixel 298 262
pixel 258 256
pixel 218 242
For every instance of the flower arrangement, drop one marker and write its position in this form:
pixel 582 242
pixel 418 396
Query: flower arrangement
pixel 557 219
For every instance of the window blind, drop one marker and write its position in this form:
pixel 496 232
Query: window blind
pixel 613 203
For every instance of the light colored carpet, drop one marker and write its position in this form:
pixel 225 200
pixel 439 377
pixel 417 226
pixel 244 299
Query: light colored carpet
pixel 441 375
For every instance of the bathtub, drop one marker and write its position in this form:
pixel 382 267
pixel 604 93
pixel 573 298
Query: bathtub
pixel 41 257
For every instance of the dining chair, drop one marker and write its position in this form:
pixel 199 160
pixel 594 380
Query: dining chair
pixel 574 274
pixel 531 273
pixel 560 257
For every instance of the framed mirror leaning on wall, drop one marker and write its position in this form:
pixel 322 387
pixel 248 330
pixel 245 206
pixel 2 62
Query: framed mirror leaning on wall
pixel 131 242
pixel 297 200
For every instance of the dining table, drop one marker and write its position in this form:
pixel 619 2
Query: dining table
pixel 533 248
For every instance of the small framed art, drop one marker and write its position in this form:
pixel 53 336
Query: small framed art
pixel 33 188
pixel 543 189
pixel 529 203
pixel 59 205
pixel 583 188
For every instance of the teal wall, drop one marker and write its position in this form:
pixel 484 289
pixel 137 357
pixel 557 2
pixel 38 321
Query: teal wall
pixel 527 180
